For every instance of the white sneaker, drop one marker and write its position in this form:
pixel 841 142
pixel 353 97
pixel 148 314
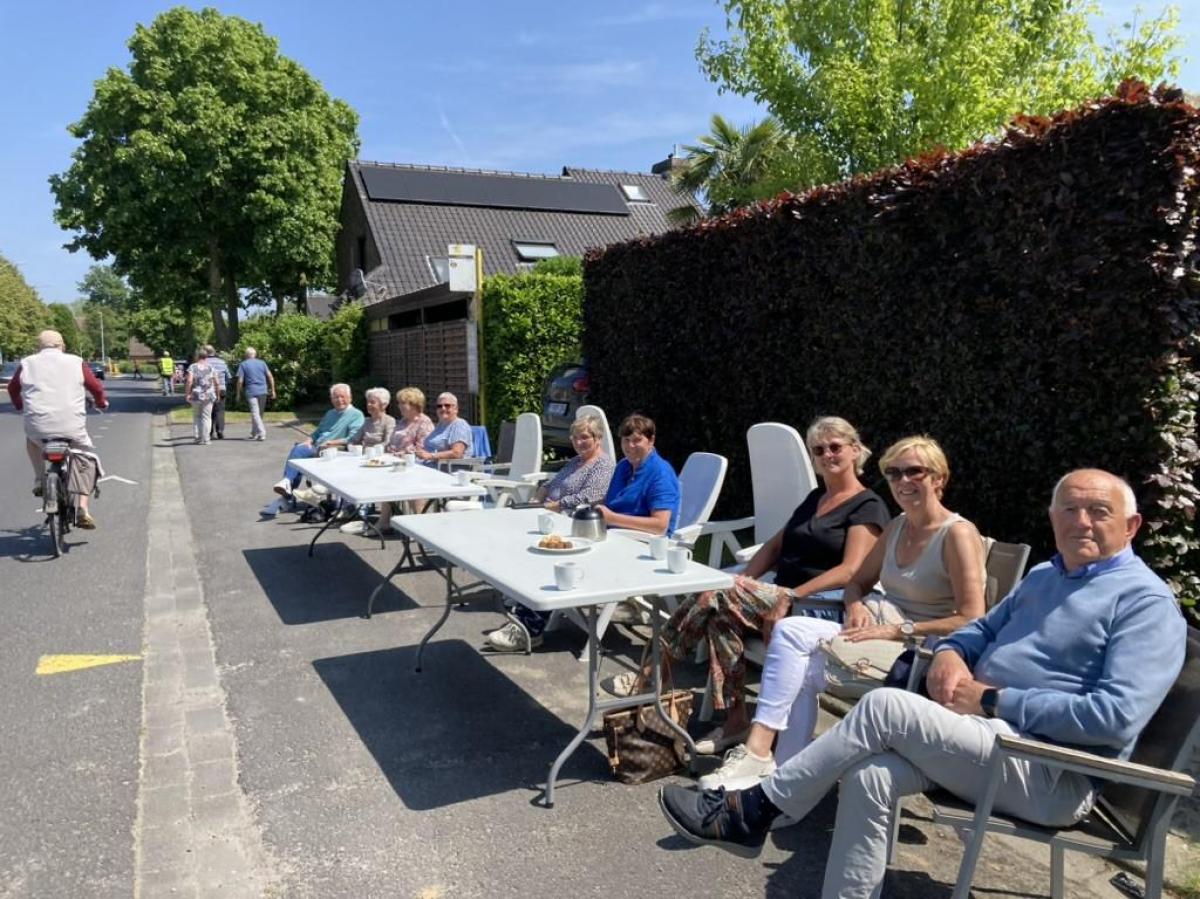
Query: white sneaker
pixel 511 638
pixel 740 771
pixel 306 496
pixel 320 489
pixel 353 527
pixel 629 612
pixel 284 487
pixel 622 684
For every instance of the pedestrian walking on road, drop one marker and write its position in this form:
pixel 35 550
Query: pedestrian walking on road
pixel 201 391
pixel 218 410
pixel 166 368
pixel 255 378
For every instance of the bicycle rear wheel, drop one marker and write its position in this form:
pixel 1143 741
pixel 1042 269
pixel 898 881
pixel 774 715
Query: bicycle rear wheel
pixel 52 504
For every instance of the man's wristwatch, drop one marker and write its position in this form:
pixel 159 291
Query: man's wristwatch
pixel 987 702
pixel 907 628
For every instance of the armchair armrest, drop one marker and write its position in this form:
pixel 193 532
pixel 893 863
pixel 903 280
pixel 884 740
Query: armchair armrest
pixel 722 538
pixel 1092 765
pixel 746 553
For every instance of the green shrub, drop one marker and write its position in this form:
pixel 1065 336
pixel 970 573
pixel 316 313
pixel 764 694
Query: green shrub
pixel 346 334
pixel 559 265
pixel 297 350
pixel 531 323
pixel 1031 302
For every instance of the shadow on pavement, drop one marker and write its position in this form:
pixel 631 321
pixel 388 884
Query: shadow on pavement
pixel 31 544
pixel 334 584
pixel 459 731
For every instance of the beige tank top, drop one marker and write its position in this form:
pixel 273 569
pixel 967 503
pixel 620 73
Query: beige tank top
pixel 921 590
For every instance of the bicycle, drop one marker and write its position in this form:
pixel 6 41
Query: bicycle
pixel 57 501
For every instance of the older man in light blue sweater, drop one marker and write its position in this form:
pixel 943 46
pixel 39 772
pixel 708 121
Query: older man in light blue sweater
pixel 1081 653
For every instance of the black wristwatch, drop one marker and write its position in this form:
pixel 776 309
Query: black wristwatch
pixel 988 700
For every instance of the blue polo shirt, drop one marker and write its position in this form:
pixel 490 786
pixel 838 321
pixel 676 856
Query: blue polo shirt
pixel 652 487
pixel 253 374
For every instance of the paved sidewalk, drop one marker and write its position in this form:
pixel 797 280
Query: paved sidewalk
pixel 195 835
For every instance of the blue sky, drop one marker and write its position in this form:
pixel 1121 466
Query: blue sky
pixel 527 86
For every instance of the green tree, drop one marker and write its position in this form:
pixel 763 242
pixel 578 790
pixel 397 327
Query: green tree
pixel 868 84
pixel 62 320
pixel 22 313
pixel 211 157
pixel 733 166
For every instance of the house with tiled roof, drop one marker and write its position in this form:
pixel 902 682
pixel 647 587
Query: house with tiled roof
pixel 398 223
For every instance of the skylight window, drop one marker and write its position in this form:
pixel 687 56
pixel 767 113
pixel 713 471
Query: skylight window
pixel 440 266
pixel 532 252
pixel 634 193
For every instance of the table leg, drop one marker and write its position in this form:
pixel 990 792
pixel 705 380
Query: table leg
pixel 449 575
pixel 589 614
pixel 329 522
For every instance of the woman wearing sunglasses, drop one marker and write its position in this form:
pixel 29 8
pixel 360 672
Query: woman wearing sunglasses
pixel 815 553
pixel 930 563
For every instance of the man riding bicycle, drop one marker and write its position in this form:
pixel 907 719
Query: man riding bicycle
pixel 49 387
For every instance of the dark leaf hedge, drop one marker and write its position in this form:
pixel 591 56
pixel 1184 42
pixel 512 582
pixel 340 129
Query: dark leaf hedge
pixel 1031 302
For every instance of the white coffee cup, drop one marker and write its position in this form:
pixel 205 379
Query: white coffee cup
pixel 330 453
pixel 410 459
pixel 567 575
pixel 546 523
pixel 355 449
pixel 678 558
pixel 374 452
pixel 658 547
pixel 463 476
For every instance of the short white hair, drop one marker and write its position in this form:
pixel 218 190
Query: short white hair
pixel 381 395
pixel 1123 485
pixel 251 352
pixel 448 396
pixel 343 387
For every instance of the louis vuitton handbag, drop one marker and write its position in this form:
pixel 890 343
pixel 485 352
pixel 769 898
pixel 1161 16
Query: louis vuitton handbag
pixel 641 746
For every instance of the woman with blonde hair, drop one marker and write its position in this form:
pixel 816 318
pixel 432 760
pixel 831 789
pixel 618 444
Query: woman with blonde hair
pixel 814 554
pixel 930 564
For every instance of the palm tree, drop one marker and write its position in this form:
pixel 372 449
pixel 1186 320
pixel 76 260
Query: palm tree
pixel 732 167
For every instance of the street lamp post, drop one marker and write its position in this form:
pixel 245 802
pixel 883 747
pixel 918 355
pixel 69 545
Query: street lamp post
pixel 103 352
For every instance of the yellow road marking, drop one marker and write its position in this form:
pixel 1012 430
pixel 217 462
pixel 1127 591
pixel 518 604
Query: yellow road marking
pixel 59 664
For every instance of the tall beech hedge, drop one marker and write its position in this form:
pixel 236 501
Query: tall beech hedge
pixel 1031 301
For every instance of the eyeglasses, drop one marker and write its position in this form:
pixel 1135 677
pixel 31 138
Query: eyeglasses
pixel 832 447
pixel 445 405
pixel 912 472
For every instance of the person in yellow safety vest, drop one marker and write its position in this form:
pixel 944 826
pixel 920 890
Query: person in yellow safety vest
pixel 166 367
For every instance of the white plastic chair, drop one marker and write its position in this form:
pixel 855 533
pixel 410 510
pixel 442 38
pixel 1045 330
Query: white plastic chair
pixel 607 437
pixel 781 475
pixel 524 470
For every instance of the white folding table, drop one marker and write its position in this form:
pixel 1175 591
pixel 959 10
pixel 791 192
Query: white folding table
pixel 496 545
pixel 347 477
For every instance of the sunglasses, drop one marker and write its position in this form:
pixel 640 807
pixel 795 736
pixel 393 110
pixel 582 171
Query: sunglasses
pixel 912 472
pixel 445 405
pixel 833 448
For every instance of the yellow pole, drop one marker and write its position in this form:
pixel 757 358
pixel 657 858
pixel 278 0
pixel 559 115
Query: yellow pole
pixel 477 301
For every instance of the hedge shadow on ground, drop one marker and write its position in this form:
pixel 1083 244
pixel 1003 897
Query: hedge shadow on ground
pixel 458 731
pixel 333 584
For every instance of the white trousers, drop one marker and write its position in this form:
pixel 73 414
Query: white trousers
pixel 895 743
pixel 793 676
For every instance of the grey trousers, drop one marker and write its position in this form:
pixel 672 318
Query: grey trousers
pixel 257 429
pixel 895 743
pixel 201 420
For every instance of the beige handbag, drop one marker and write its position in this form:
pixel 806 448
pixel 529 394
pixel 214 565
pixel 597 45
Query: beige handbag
pixel 853 669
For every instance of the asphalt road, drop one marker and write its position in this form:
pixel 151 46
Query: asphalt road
pixel 69 741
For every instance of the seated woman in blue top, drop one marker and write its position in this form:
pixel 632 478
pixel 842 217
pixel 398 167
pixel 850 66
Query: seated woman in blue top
pixel 451 438
pixel 644 492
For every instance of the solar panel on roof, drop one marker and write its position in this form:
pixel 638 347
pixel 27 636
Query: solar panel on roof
pixel 497 191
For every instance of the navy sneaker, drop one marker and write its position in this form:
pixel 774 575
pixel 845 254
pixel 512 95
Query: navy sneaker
pixel 711 818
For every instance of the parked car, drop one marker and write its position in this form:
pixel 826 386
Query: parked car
pixel 566 389
pixel 97 369
pixel 7 371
